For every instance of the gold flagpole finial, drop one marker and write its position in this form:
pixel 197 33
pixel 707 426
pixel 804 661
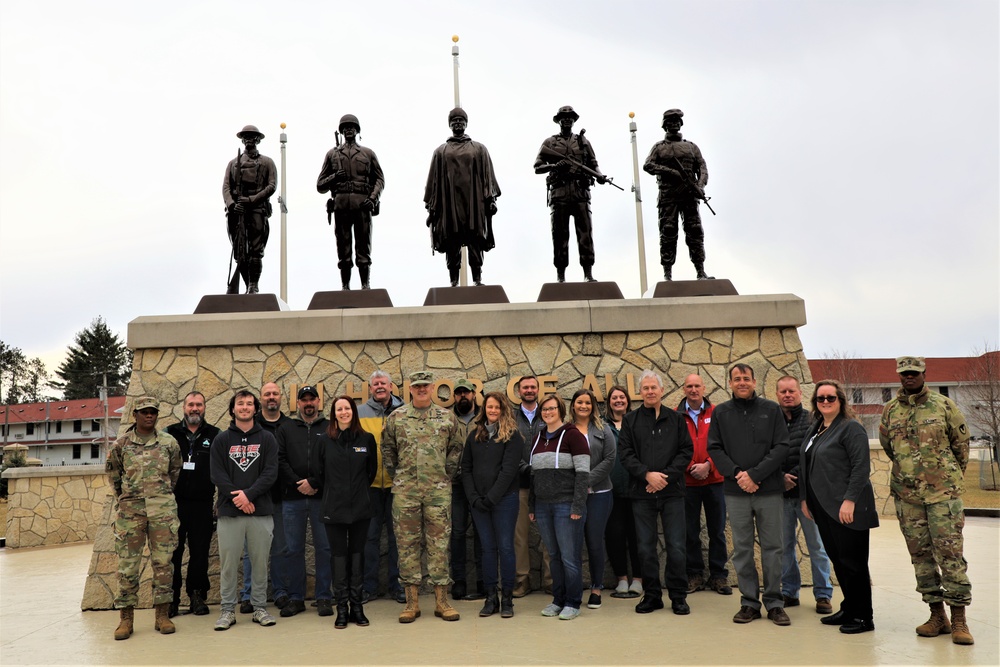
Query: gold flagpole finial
pixel 454 38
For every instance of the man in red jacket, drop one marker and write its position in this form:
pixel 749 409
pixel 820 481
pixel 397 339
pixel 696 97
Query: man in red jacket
pixel 704 488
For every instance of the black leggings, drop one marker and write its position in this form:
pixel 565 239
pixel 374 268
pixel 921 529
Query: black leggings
pixel 347 538
pixel 620 540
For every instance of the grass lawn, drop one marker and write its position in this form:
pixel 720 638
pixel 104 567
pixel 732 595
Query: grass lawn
pixel 976 496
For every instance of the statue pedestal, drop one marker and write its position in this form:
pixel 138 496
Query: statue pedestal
pixel 366 298
pixel 462 296
pixel 579 291
pixel 680 288
pixel 239 303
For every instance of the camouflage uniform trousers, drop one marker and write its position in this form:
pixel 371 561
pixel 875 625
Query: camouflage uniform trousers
pixel 426 520
pixel 933 534
pixel 135 522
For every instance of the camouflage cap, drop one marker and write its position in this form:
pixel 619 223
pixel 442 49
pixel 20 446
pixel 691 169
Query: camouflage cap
pixel 464 385
pixel 904 364
pixel 421 377
pixel 307 390
pixel 144 402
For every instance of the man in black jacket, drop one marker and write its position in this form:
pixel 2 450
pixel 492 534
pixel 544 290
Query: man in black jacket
pixel 296 440
pixel 194 493
pixel 748 442
pixel 798 420
pixel 655 448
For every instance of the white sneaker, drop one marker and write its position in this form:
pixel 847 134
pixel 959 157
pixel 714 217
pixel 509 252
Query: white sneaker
pixel 263 617
pixel 226 620
pixel 622 588
pixel 551 610
pixel 636 587
pixel 568 613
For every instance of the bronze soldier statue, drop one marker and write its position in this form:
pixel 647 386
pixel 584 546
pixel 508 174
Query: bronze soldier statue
pixel 681 174
pixel 460 198
pixel 570 163
pixel 250 181
pixel 353 177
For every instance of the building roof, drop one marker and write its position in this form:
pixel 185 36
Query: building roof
pixel 940 370
pixel 85 408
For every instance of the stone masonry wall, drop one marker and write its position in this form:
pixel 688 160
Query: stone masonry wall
pixel 54 505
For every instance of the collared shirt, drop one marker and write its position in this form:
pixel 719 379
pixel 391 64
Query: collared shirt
pixel 693 414
pixel 530 414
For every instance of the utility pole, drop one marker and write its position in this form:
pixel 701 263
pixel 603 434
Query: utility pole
pixel 104 399
pixel 638 206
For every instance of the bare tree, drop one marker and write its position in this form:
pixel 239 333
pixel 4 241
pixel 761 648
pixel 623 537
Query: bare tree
pixel 982 387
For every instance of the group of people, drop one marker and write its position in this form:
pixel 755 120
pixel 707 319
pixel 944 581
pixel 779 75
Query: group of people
pixel 603 481
pixel 460 198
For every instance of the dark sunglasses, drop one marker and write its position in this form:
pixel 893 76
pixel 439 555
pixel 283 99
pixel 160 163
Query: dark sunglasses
pixel 826 399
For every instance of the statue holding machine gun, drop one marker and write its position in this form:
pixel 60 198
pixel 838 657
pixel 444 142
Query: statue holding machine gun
pixel 353 177
pixel 250 181
pixel 571 165
pixel 681 174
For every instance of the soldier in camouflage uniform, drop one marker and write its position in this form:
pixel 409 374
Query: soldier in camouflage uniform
pixel 925 436
pixel 421 450
pixel 677 197
pixel 143 467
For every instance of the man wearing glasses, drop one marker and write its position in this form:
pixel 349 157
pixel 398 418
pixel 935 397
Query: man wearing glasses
pixel 925 436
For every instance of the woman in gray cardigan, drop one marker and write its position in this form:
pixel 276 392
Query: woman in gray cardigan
pixel 602 441
pixel 837 494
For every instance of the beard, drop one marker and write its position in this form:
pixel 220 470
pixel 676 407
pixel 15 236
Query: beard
pixel 193 419
pixel 464 405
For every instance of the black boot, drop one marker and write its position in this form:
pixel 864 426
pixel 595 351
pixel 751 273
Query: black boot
pixel 255 268
pixel 339 564
pixel 561 275
pixel 355 591
pixel 491 605
pixel 477 276
pixel 363 271
pixel 507 603
pixel 667 271
pixel 453 275
pixel 198 606
pixel 345 278
pixel 700 268
pixel 588 276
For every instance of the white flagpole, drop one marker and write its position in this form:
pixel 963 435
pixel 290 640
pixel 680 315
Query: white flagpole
pixel 463 276
pixel 638 207
pixel 284 215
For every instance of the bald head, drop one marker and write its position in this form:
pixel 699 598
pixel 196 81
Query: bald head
pixel 694 390
pixel 270 398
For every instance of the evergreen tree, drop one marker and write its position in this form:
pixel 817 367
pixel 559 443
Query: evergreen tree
pixel 96 351
pixel 22 380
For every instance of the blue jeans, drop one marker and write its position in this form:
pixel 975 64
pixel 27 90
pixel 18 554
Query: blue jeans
pixel 460 521
pixel 598 510
pixel 296 513
pixel 791 578
pixel 381 504
pixel 279 554
pixel 496 531
pixel 670 512
pixel 563 538
pixel 712 497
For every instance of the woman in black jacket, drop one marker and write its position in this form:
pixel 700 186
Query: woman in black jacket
pixel 344 466
pixel 489 474
pixel 837 494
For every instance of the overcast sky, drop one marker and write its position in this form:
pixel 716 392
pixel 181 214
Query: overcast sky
pixel 852 148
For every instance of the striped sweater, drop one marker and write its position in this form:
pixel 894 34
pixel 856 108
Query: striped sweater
pixel 560 468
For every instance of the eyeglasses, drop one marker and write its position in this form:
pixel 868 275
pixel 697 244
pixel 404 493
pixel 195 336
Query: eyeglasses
pixel 826 399
pixel 550 408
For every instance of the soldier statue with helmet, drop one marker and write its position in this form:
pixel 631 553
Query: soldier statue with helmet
pixel 353 177
pixel 571 165
pixel 681 174
pixel 250 181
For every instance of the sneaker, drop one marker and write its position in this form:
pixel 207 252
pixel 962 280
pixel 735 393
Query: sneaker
pixel 823 606
pixel 246 607
pixel 568 613
pixel 594 601
pixel 636 587
pixel 293 607
pixel 778 616
pixel 695 583
pixel 324 607
pixel 790 601
pixel 551 610
pixel 622 587
pixel 746 614
pixel 720 586
pixel 261 616
pixel 227 619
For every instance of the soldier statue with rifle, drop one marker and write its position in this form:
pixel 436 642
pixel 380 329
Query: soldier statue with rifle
pixel 250 181
pixel 353 177
pixel 571 165
pixel 681 175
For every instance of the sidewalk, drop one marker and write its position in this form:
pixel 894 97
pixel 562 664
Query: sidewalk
pixel 41 623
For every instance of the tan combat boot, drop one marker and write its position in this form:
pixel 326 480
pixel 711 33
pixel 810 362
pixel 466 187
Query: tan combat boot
pixel 937 624
pixel 163 623
pixel 959 628
pixel 442 608
pixel 124 629
pixel 411 611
